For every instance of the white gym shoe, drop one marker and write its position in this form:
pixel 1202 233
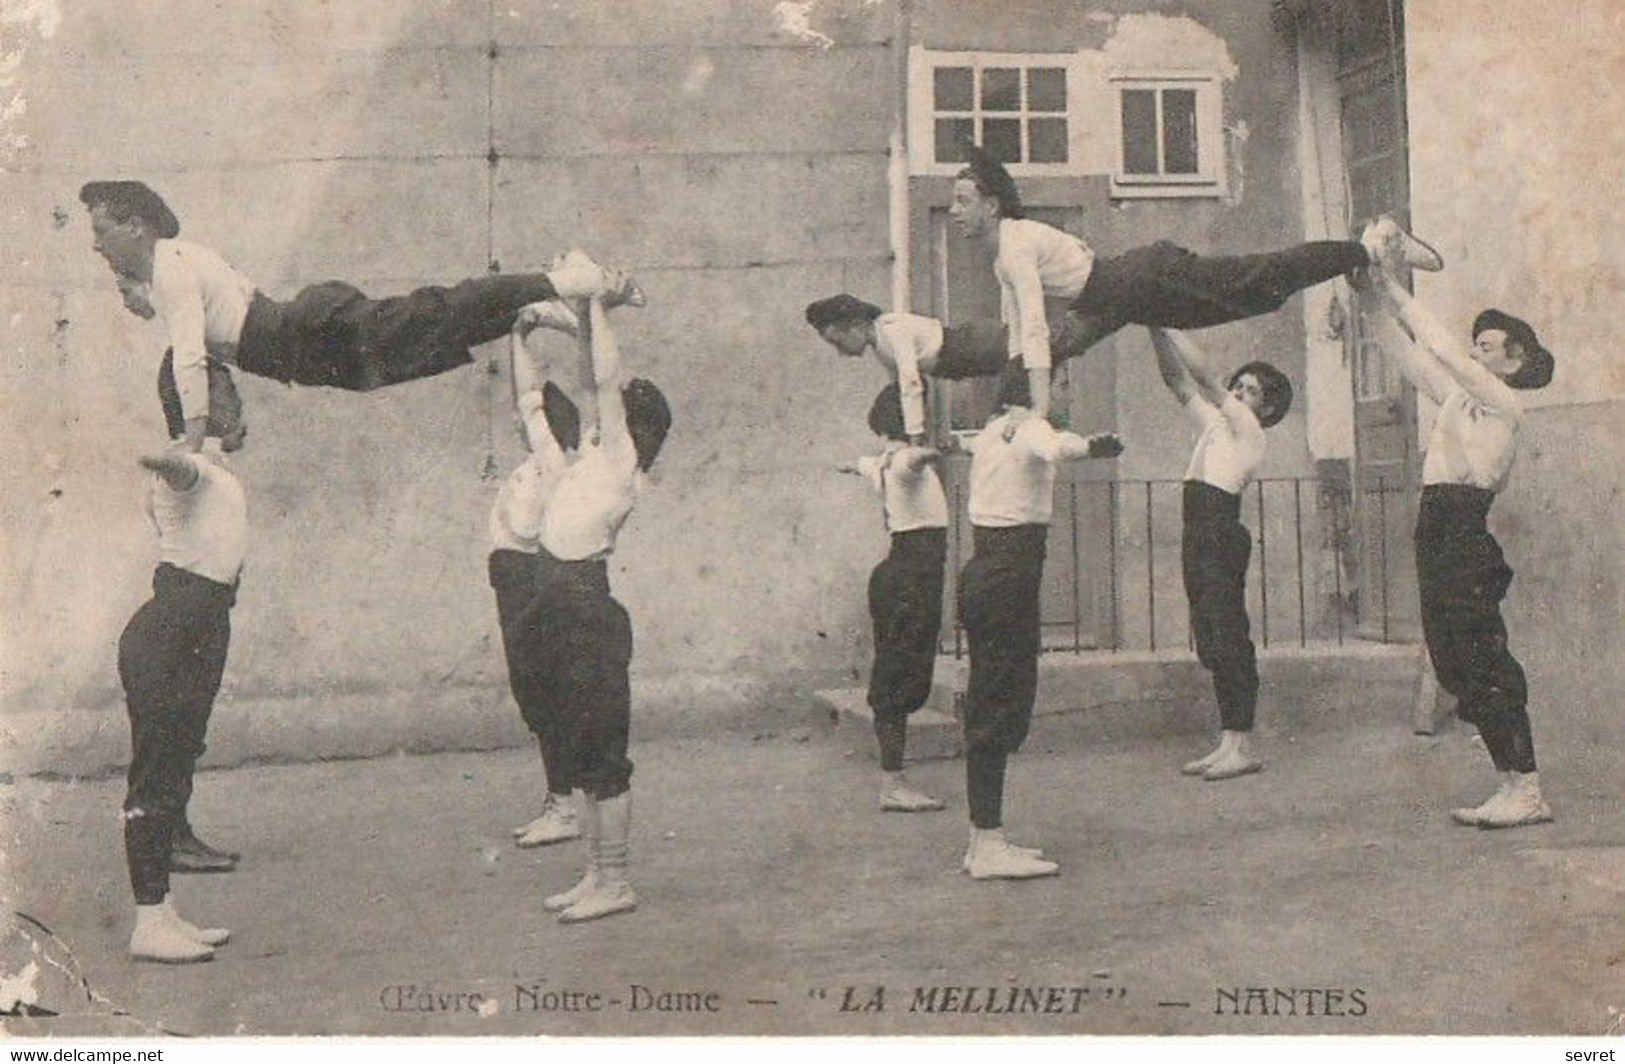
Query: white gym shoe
pixel 1199 766
pixel 157 938
pixel 995 836
pixel 1234 763
pixel 897 796
pixel 588 884
pixel 1000 860
pixel 1024 851
pixel 1518 806
pixel 209 936
pixel 556 824
pixel 576 276
pixel 1391 246
pixel 605 899
pixel 1474 816
pixel 552 314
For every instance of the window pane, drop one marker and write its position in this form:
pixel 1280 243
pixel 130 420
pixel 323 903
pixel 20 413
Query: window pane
pixel 1046 140
pixel 1002 139
pixel 1179 131
pixel 954 89
pixel 952 135
pixel 1139 131
pixel 1046 89
pixel 1001 89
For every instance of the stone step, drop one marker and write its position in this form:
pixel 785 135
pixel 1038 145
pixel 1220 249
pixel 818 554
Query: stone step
pixel 1145 695
pixel 933 734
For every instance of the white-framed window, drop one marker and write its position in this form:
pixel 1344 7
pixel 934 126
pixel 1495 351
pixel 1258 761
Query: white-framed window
pixel 1170 134
pixel 1021 107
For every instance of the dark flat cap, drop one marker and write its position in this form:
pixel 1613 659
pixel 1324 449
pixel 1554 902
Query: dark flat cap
pixel 125 200
pixel 837 309
pixel 1538 363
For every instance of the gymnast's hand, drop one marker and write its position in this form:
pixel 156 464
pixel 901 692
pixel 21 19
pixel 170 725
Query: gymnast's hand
pixel 913 458
pixel 576 276
pixel 548 314
pixel 175 465
pixel 1013 419
pixel 1105 445
pixel 620 289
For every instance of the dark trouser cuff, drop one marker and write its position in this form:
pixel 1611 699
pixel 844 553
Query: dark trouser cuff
pixel 984 786
pixel 892 734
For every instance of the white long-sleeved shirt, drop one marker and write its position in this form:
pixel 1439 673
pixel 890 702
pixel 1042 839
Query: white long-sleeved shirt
pixel 910 498
pixel 522 501
pixel 204 528
pixel 593 499
pixel 1475 435
pixel 1034 261
pixel 1471 443
pixel 1231 446
pixel 1013 482
pixel 202 300
pixel 908 344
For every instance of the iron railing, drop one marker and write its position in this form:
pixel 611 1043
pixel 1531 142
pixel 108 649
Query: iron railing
pixel 1114 582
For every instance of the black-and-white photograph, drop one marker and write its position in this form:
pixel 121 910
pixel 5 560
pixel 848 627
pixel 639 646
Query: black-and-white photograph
pixel 812 518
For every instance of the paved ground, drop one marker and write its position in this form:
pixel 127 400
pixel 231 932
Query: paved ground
pixel 1333 881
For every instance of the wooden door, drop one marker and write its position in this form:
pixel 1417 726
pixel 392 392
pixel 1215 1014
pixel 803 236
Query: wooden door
pixel 1371 89
pixel 1077 604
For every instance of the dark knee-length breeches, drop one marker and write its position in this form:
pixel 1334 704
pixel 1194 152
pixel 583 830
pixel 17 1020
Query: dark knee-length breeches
pixel 332 334
pixel 1165 285
pixel 999 607
pixel 583 640
pixel 1463 576
pixel 171 658
pixel 1214 552
pixel 513 579
pixel 905 606
pixel 979 347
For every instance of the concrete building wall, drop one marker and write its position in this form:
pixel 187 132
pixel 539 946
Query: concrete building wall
pixel 734 165
pixel 1516 156
pixel 1259 209
pixel 732 152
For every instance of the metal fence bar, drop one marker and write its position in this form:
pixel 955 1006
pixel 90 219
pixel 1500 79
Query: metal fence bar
pixel 1297 525
pixel 958 549
pixel 1150 568
pixel 1382 548
pixel 1105 616
pixel 1111 549
pixel 1077 577
pixel 1337 565
pixel 1263 566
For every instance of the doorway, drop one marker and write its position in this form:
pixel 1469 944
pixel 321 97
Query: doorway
pixel 1077 606
pixel 1368 39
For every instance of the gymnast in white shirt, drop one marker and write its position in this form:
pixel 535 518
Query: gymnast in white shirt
pixel 1462 574
pixel 1057 296
pixel 1215 546
pixel 910 347
pixel 329 334
pixel 905 591
pixel 583 636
